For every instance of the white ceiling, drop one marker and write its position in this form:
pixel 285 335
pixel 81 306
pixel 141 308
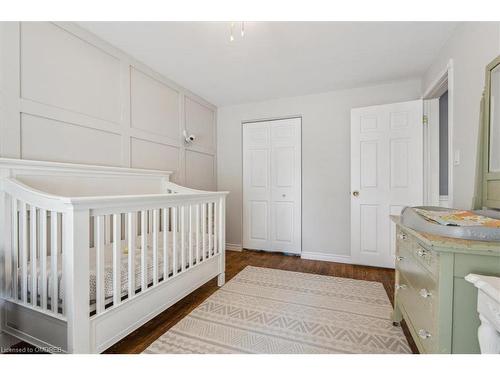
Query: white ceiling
pixel 278 59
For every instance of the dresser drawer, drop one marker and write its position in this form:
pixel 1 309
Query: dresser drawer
pixel 427 258
pixel 403 240
pixel 421 314
pixel 415 273
pixel 407 245
pixel 421 296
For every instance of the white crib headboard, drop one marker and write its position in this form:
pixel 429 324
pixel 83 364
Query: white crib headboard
pixel 76 180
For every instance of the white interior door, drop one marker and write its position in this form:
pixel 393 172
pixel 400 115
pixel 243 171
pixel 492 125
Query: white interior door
pixel 386 176
pixel 272 185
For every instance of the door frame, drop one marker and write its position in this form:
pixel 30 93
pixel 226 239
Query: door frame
pixel 443 82
pixel 265 119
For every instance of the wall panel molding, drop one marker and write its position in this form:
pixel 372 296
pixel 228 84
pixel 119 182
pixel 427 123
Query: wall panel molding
pixel 72 143
pixel 200 170
pixel 154 106
pixel 60 69
pixel 89 92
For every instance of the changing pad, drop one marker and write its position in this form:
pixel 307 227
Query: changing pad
pixel 468 225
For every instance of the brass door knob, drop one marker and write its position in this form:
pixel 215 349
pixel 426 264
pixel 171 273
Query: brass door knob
pixel 355 193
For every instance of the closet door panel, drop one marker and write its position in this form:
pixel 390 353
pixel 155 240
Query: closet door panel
pixel 272 185
pixel 286 185
pixel 256 186
pixel 283 213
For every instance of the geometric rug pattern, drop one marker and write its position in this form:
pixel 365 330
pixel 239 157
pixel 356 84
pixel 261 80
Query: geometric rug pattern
pixel 263 310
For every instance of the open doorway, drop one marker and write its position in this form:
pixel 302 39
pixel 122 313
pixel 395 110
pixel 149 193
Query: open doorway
pixel 443 150
pixel 438 145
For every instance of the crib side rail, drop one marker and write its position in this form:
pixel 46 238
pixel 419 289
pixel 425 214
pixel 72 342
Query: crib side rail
pixel 33 253
pixel 141 246
pixel 46 258
pixel 55 248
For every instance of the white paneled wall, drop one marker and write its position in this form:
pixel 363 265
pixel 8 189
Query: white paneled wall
pixel 68 96
pixel 154 107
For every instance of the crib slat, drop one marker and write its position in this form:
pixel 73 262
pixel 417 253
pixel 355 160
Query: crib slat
pixel 24 253
pixel 183 238
pixel 174 240
pixel 155 246
pixel 221 235
pixel 100 239
pixel 131 235
pixel 144 244
pixel 33 258
pixel 216 226
pixel 43 258
pixel 116 259
pixel 54 239
pixel 165 243
pixel 107 221
pixel 190 238
pixel 210 229
pixel 197 225
pixel 204 229
pixel 150 221
pixel 15 250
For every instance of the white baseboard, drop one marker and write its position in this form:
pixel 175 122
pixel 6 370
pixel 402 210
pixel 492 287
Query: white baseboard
pixel 326 257
pixel 234 247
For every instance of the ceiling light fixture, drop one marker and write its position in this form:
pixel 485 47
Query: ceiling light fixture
pixel 242 31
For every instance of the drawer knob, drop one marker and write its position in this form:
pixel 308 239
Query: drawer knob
pixel 421 252
pixel 425 293
pixel 399 258
pixel 400 286
pixel 402 236
pixel 423 334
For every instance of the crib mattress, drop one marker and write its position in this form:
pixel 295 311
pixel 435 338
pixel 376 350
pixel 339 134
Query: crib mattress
pixel 108 270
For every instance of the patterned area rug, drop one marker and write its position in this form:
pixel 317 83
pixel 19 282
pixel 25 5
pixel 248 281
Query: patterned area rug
pixel 263 310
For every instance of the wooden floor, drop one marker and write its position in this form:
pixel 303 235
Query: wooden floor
pixel 141 338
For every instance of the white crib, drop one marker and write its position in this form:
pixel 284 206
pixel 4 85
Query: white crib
pixel 90 253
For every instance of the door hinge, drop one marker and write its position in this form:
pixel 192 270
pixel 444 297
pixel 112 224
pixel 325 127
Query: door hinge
pixel 425 120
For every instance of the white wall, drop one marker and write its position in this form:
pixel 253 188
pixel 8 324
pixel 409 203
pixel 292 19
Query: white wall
pixel 471 47
pixel 66 95
pixel 325 159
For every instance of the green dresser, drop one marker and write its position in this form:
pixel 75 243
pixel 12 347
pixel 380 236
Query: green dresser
pixel 431 295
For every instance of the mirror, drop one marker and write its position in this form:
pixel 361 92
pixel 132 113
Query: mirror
pixel 494 130
pixel 487 191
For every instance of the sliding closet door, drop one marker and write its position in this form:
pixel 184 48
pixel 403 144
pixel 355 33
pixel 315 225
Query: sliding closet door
pixel 272 185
